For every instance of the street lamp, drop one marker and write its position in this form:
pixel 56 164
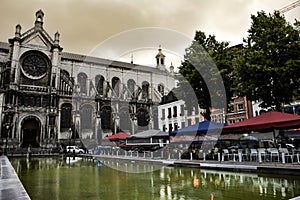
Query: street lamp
pixel 6 139
pixel 70 135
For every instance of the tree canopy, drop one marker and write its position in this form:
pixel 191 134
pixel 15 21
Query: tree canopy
pixel 265 68
pixel 268 68
pixel 207 63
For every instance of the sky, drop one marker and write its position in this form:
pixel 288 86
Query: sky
pixel 87 26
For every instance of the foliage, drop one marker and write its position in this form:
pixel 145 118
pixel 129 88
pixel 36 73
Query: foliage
pixel 267 70
pixel 199 80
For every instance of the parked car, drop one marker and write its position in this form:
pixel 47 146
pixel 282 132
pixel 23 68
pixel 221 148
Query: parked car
pixel 72 149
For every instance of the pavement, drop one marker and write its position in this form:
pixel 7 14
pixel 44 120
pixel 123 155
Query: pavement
pixel 10 184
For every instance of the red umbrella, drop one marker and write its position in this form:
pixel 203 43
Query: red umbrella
pixel 265 122
pixel 118 136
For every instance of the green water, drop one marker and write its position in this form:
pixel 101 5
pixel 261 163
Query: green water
pixel 52 178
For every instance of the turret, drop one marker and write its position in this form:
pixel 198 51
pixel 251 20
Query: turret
pixel 160 59
pixel 39 15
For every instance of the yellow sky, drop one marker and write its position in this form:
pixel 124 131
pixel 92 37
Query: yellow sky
pixel 84 24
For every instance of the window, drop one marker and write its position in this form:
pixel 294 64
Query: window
pixel 106 117
pixel 175 111
pixel 164 128
pixel 181 110
pixel 66 116
pixel 240 107
pixel 163 114
pixel 161 89
pixel 231 121
pixel 145 90
pixel 230 108
pixel 170 128
pixel 86 117
pixel 143 117
pixel 175 126
pixel 82 77
pixel 116 85
pixel 99 84
pixel 239 120
pixel 131 87
pixel 125 123
pixel 169 112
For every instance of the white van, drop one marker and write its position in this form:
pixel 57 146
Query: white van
pixel 74 149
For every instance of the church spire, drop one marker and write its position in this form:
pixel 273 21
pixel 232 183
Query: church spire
pixel 172 69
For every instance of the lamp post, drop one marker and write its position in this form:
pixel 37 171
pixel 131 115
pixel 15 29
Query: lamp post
pixel 69 138
pixel 6 139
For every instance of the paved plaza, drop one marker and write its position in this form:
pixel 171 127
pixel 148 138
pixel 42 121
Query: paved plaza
pixel 10 184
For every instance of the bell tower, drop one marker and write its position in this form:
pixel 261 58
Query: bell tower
pixel 160 59
pixel 39 15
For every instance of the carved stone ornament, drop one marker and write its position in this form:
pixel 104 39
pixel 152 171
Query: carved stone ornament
pixel 34 66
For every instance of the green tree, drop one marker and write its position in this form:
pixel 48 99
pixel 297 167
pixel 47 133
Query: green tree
pixel 268 70
pixel 207 63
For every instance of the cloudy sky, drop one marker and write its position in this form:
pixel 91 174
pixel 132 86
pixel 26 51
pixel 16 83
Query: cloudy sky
pixel 84 24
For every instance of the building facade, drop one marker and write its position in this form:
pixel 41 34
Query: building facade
pixel 238 110
pixel 48 95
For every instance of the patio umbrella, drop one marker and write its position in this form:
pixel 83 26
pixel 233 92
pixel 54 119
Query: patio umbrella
pixel 249 137
pixel 118 136
pixel 200 128
pixel 266 122
pixel 148 134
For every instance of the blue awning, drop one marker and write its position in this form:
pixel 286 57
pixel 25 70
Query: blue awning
pixel 200 128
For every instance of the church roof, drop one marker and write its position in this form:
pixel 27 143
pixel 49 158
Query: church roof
pixel 4 45
pixel 101 61
pixel 110 63
pixel 169 98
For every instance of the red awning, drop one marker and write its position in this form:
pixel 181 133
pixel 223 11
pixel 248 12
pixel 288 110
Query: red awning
pixel 265 122
pixel 118 136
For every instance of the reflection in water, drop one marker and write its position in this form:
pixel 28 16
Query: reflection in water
pixel 52 178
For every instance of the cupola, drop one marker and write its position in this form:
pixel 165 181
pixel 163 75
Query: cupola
pixel 39 15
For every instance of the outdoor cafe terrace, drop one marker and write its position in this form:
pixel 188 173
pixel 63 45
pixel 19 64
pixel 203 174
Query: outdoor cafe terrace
pixel 253 140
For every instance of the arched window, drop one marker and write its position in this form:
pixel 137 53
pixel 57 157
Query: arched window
pixel 131 86
pixel 145 90
pixel 66 83
pixel 82 80
pixel 125 123
pixel 143 117
pixel 116 85
pixel 99 80
pixel 161 89
pixel 66 116
pixel 106 117
pixel 86 117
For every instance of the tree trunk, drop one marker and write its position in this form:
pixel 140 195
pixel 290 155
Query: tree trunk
pixel 206 114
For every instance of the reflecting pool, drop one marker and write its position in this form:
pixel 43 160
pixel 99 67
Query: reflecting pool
pixel 52 178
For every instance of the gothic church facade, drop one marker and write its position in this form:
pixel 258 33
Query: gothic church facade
pixel 48 95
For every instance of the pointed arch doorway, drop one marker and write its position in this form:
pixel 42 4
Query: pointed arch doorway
pixel 30 132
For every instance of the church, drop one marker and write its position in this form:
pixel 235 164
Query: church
pixel 48 95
